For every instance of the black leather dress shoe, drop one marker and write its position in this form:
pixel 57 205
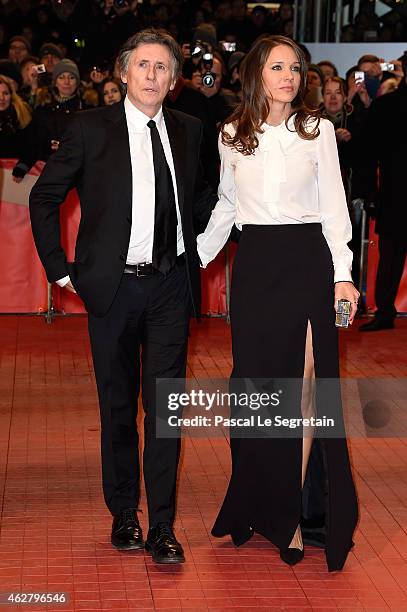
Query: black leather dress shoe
pixel 126 531
pixel 376 325
pixel 163 546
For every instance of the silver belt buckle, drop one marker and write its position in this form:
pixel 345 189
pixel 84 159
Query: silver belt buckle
pixel 139 269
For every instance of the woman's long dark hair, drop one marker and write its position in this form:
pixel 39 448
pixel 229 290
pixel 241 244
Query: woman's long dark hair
pixel 254 108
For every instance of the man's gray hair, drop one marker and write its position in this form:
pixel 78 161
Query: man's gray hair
pixel 152 36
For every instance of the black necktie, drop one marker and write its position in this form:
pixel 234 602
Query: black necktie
pixel 165 217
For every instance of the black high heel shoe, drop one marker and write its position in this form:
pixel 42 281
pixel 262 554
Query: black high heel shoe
pixel 291 556
pixel 242 535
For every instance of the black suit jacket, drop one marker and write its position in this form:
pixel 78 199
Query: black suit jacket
pixel 385 147
pixel 94 157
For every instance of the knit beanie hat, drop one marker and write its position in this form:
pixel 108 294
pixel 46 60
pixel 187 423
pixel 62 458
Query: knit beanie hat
pixel 22 39
pixel 66 65
pixel 205 32
pixel 50 49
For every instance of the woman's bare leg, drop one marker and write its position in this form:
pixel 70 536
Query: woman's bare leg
pixel 307 410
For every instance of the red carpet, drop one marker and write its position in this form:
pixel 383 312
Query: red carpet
pixel 55 528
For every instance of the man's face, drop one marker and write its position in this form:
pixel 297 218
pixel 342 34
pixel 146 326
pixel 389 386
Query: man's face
pixel 17 51
pixel 149 77
pixel 372 69
pixel 50 61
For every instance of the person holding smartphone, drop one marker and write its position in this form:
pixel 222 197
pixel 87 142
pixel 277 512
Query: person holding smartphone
pixel 51 118
pixel 281 185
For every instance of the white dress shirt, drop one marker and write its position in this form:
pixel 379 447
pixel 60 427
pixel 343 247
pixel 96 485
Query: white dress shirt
pixel 143 185
pixel 288 180
pixel 143 196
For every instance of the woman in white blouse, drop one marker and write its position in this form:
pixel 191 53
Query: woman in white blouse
pixel 281 184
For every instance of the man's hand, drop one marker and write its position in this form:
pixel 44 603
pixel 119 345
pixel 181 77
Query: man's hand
pixel 108 5
pixel 359 88
pixel 398 69
pixel 343 135
pixel 69 286
pixel 347 291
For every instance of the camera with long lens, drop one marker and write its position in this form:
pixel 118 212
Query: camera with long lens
pixel 203 51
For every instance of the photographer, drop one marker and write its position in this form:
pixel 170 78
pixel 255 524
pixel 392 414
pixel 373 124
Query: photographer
pixel 29 73
pixel 221 101
pixel 357 92
pixel 371 65
pixel 49 55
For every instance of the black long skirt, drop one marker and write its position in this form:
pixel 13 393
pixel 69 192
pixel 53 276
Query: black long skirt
pixel 283 279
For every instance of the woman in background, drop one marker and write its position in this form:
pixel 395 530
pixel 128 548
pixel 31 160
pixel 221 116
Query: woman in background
pixel 15 115
pixel 111 90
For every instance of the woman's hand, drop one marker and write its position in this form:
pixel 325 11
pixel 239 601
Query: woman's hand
pixel 346 290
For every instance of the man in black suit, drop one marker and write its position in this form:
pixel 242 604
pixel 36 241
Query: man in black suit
pixel 136 168
pixel 386 148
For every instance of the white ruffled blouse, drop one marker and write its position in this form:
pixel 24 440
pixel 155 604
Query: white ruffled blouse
pixel 288 180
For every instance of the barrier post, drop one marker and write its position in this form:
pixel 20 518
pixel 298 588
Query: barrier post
pixel 363 251
pixel 50 314
pixel 227 282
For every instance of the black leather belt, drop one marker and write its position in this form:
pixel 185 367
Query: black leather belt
pixel 141 269
pixel 147 269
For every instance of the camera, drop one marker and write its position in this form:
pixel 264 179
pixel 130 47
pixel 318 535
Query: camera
pixel 120 3
pixel 229 47
pixel 385 66
pixel 79 42
pixel 200 49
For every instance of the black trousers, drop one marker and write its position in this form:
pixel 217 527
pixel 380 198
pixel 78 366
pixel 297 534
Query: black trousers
pixel 392 256
pixel 142 337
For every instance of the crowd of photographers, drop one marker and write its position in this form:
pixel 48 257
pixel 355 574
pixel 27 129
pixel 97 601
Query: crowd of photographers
pixel 59 58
